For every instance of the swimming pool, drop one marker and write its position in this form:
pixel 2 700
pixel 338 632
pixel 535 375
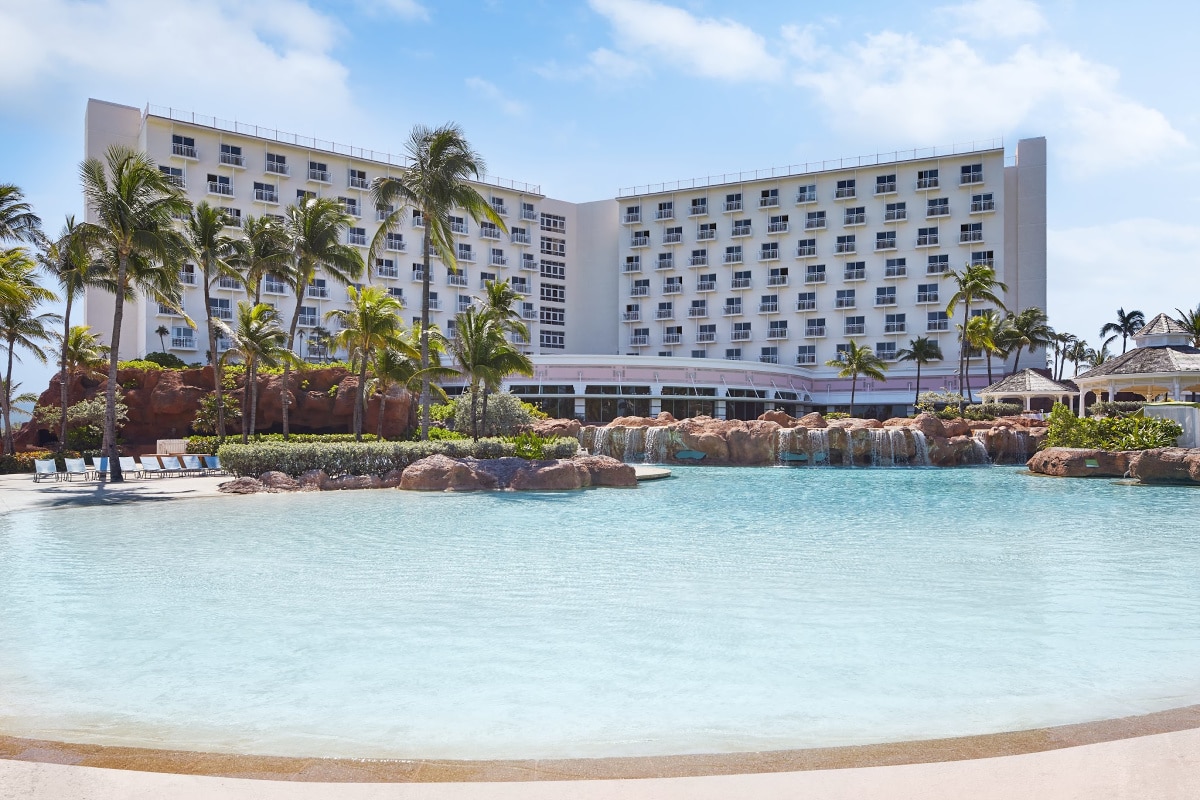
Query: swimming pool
pixel 723 610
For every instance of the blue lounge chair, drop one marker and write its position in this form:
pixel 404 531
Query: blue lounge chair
pixel 44 469
pixel 76 468
pixel 100 467
pixel 171 465
pixel 151 467
pixel 212 465
pixel 130 467
pixel 192 465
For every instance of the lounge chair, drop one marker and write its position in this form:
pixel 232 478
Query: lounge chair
pixel 76 467
pixel 151 467
pixel 192 464
pixel 212 465
pixel 171 465
pixel 130 467
pixel 44 469
pixel 100 467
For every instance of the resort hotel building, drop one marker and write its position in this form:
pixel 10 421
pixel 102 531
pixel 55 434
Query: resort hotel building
pixel 724 295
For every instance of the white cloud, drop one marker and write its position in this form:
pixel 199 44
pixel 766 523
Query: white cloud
pixel 981 19
pixel 265 60
pixel 930 93
pixel 707 47
pixel 1144 264
pixel 409 9
pixel 492 93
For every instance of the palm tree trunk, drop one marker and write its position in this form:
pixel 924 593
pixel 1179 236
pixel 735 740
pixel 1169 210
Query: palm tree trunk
pixel 1017 359
pixel 989 365
pixel 474 415
pixel 361 399
pixel 962 352
pixel 425 330
pixel 62 373
pixel 917 396
pixel 216 362
pixel 382 408
pixel 6 399
pixel 483 422
pixel 853 387
pixel 287 365
pixel 252 384
pixel 109 442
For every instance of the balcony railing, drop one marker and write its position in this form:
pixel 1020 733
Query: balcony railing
pixel 318 291
pixel 739 336
pixel 777 227
pixel 706 286
pixel 698 311
pixel 639 340
pixel 885 300
pixel 500 209
pixel 885 244
pixel 387 272
pixel 937 211
pixel 457 280
pixel 777 280
pixel 176 180
pixel 233 159
pixel 357 238
pixel 220 188
pixel 895 216
pixel 895 272
pixel 225 282
pixel 639 241
pixel 927 297
pixel 183 343
pixel 631 316
pixel 672 338
pixel 968 237
pixel 768 358
pixel 308 320
pixel 529 264
pixel 733 258
pixel 845 302
pixel 740 283
pixel 733 205
pixel 777 333
pixel 639 291
pixel 845 247
pixel 855 219
pixel 939 325
pixel 895 327
pixel 487 232
pixel 396 245
pixel 320 175
pixel 979 206
pixel 816 224
pixel 806 197
pixel 672 288
pixel 359 183
pixel 885 188
pixel 970 178
pixel 814 277
pixel 418 275
pixel 521 287
pixel 806 305
pixel 769 255
pixel 732 311
pixel 266 195
pixel 520 237
pixel 806 250
pixel 276 287
pixel 672 238
pixel 187 278
pixel 631 266
pixel 768 308
pixel 706 336
pixel 497 260
pixel 927 241
pixel 698 261
pixel 699 210
pixel 665 213
pixel 664 313
pixel 769 202
pixel 467 256
pixel 184 150
pixel 814 331
pixel 845 193
pixel 856 330
pixel 927 183
pixel 706 235
pixel 529 214
pixel 803 359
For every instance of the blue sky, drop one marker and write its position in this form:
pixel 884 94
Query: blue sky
pixel 587 96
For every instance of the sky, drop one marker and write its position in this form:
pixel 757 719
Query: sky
pixel 586 97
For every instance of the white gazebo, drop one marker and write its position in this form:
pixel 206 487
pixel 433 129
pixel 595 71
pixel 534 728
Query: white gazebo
pixel 1025 386
pixel 1163 364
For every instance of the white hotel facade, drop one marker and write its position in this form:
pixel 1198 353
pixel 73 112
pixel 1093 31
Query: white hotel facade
pixel 724 295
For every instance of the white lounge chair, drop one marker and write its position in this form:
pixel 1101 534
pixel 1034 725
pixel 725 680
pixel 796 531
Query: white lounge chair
pixel 151 467
pixel 130 467
pixel 100 467
pixel 76 467
pixel 44 469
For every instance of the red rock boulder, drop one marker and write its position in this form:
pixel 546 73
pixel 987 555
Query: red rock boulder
pixel 1079 462
pixel 1167 465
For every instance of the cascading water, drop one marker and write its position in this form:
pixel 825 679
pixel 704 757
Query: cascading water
pixel 979 440
pixel 818 447
pixel 920 448
pixel 635 444
pixel 600 444
pixel 656 445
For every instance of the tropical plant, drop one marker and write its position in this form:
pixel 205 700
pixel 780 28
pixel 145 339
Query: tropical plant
pixel 1094 358
pixel 1026 330
pixel 441 164
pixel 134 206
pixel 262 251
pixel 506 415
pixel 1063 342
pixel 1077 353
pixel 498 301
pixel 1064 429
pixel 974 283
pixel 20 324
pixel 855 361
pixel 313 234
pixel 1125 325
pixel 255 338
pixel 162 331
pixel 921 350
pixel 987 332
pixel 1191 321
pixel 85 420
pixel 17 220
pixel 484 357
pixel 211 249
pixel 399 364
pixel 372 323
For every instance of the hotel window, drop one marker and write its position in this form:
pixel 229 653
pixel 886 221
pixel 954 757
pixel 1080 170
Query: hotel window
pixel 814 327
pixel 699 354
pixel 552 316
pixel 982 202
pixel 554 222
pixel 465 253
pixel 733 354
pixel 807 193
pixel 556 270
pixel 277 164
pixel 777 329
pixel 233 217
pixel 769 355
pixel 232 154
pixel 528 212
pixel 699 258
pixel 182 338
pixel 927 293
pixel 496 257
pixel 845 299
pixel 845 189
pixel 937 207
pixel 265 192
pixel 895 323
pixel 937 321
pixel 666 210
pixel 673 235
pixel 768 198
pixel 741 331
pixel 396 292
pixel 885 350
pixel 778 276
pixel 814 220
pixel 707 231
pixel 938 265
pixel 633 263
pixel 970 173
pixel 855 326
pixel 641 288
pixel 971 232
pixel 983 258
pixel 183 146
pixel 358 179
pixel 220 184
pixel 845 244
pixel 187 274
pixel 885 295
pixel 733 202
pixel 553 340
pixel 672 334
pixel 885 240
pixel 733 306
pixel 458 224
pixel 174 175
pixel 699 308
pixel 166 310
pixel 806 354
pixel 769 251
pixel 304 194
pixel 553 247
pixel 318 171
pixel 498 205
pixel 854 215
pixel 806 248
pixel 806 301
pixel 733 255
pixel 222 307
pixel 778 224
pixel 927 237
pixel 814 273
pixel 489 230
pixel 707 283
pixel 699 206
pixel 895 212
pixel 896 268
pixel 350 206
pixel 356 236
pixel 927 179
pixel 707 332
pixel 553 293
pixel 841 351
pixel 386 268
pixel 741 227
pixel 520 284
pixel 665 261
pixel 768 304
pixel 394 242
pixel 885 184
pixel 673 285
pixel 741 280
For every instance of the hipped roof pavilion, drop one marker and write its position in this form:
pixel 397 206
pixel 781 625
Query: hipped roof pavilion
pixel 1027 385
pixel 1163 362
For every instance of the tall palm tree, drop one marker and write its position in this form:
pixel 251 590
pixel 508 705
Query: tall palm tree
pixel 134 206
pixel 442 163
pixel 974 283
pixel 314 233
pixel 1191 321
pixel 1094 358
pixel 855 361
pixel 484 357
pixel 20 324
pixel 261 252
pixel 1062 344
pixel 371 323
pixel 256 338
pixel 988 332
pixel 498 301
pixel 1027 329
pixel 1077 353
pixel 161 332
pixel 17 220
pixel 921 350
pixel 398 364
pixel 79 350
pixel 71 261
pixel 1126 325
pixel 211 249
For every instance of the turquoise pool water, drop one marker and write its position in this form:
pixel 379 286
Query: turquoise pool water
pixel 724 609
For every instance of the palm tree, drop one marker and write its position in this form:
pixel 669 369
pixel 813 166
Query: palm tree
pixel 313 232
pixel 262 252
pixel 211 249
pixel 1027 329
pixel 255 338
pixel 371 323
pixel 1191 321
pixel 79 350
pixel 134 206
pixel 921 350
pixel 484 357
pixel 1126 325
pixel 1062 345
pixel 20 325
pixel 974 283
pixel 855 361
pixel 498 301
pixel 1094 358
pixel 17 220
pixel 161 332
pixel 398 364
pixel 1077 352
pixel 988 332
pixel 442 161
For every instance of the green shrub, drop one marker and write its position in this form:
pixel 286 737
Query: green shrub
pixel 371 458
pixel 22 462
pixel 438 434
pixel 1109 433
pixel 138 364
pixel 166 360
pixel 984 411
pixel 836 415
pixel 932 402
pixel 530 445
pixel 506 414
pixel 442 412
pixel 1106 408
pixel 209 444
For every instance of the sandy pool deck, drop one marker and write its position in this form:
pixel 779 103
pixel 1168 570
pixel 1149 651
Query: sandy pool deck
pixel 1156 756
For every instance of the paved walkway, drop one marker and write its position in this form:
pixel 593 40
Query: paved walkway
pixel 20 493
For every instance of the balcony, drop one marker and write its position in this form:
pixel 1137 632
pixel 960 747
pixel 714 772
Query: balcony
pixel 321 292
pixel 741 231
pixel 732 311
pixel 970 178
pixel 665 213
pixel 639 291
pixel 277 169
pixel 814 224
pixel 359 183
pixel 806 250
pixel 698 261
pixel 927 241
pixel 814 277
pixel 359 239
pixel 885 244
pixel 639 340
pixel 851 220
pixel 706 286
pixel 672 338
pixel 387 272
pixel 777 227
pixel 225 189
pixel 733 205
pixel 489 232
pixel 777 280
pixel 639 241
pixel 767 358
pixel 768 308
pixel 740 283
pixel 672 288
pixel 777 333
pixel 970 237
pixel 232 220
pixel 459 226
pixel 814 332
pixel 529 264
pixel 233 159
pixel 845 247
pixel 500 209
pixel 733 258
pixel 183 343
pixel 418 275
pixel 672 238
pixel 187 278
pixel 266 195
pixel 937 211
pixel 739 336
pixel 277 287
pixel 631 316
pixel 981 206
pixel 698 312
pixel 519 237
pixel 706 336
pixel 521 287
pixel 845 193
pixel 895 272
pixel 176 180
pixel 320 175
pixel 806 196
pixel 498 260
pixel 396 245
pixel 924 184
pixel 457 280
pixel 885 188
pixel 631 266
pixel 529 214
pixel 895 327
pixel 806 359
pixel 806 305
pixel 467 256
pixel 937 326
pixel 664 313
pixel 885 300
pixel 698 210
pixel 769 202
pixel 856 330
pixel 895 216
pixel 184 150
pixel 927 297
pixel 308 320
pixel 769 255
pixel 706 235
pixel 845 302
pixel 226 282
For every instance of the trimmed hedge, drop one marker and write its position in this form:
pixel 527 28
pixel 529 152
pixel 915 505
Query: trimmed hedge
pixel 985 411
pixel 370 458
pixel 209 444
pixel 1109 433
pixel 1119 408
